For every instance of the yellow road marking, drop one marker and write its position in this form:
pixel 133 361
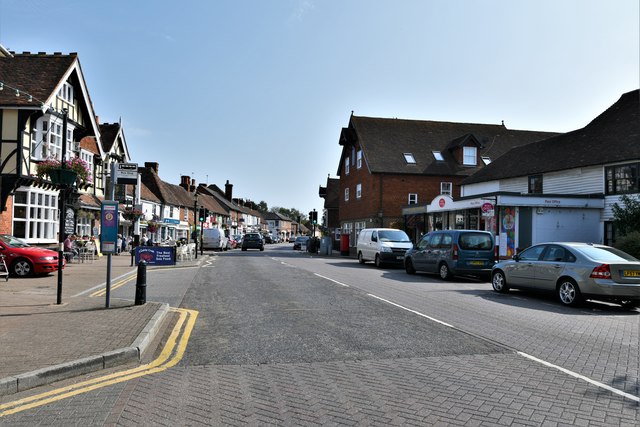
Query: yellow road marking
pixel 171 354
pixel 116 285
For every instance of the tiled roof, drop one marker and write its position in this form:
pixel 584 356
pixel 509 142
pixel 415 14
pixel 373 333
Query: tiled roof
pixel 384 141
pixel 36 74
pixel 613 136
pixel 89 143
pixel 275 216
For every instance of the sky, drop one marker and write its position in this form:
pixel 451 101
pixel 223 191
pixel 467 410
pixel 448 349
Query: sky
pixel 256 92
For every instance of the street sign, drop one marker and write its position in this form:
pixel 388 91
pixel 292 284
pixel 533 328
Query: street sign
pixel 126 173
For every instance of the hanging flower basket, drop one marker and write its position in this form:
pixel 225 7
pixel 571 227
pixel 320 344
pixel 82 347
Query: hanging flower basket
pixel 152 226
pixel 57 175
pixel 132 214
pixel 62 176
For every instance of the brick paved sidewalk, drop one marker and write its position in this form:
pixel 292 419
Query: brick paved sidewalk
pixel 37 333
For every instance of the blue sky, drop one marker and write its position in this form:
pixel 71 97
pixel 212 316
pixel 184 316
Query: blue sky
pixel 256 92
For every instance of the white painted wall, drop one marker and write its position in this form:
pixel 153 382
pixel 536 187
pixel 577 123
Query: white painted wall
pixel 568 225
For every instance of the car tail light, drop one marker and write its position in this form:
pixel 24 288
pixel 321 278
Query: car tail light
pixel 455 251
pixel 601 272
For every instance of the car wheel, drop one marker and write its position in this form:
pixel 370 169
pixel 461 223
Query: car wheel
pixel 22 268
pixel 378 262
pixel 360 259
pixel 445 274
pixel 244 249
pixel 499 282
pixel 408 266
pixel 569 293
pixel 262 248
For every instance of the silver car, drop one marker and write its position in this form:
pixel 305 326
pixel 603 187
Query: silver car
pixel 574 271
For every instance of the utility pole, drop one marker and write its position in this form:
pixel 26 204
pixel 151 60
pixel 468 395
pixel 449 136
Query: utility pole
pixel 62 196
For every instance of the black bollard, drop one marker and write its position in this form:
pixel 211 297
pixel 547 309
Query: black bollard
pixel 141 283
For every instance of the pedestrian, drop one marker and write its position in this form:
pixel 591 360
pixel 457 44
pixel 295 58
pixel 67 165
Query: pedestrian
pixel 143 240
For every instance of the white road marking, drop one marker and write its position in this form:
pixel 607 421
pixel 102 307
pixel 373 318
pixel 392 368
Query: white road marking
pixel 525 355
pixel 331 280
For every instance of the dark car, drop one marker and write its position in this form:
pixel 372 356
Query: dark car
pixel 300 241
pixel 574 272
pixel 252 241
pixel 24 260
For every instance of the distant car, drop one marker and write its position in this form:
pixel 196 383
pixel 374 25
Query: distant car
pixel 24 260
pixel 382 246
pixel 267 238
pixel 252 241
pixel 574 272
pixel 300 241
pixel 452 252
pixel 292 239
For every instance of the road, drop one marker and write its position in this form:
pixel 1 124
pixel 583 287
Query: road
pixel 286 338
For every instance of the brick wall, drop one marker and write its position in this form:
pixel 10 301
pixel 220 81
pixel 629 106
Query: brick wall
pixel 6 218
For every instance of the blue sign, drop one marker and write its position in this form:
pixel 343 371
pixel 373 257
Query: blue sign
pixel 171 221
pixel 109 227
pixel 156 255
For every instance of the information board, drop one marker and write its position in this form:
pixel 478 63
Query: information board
pixel 156 255
pixel 109 227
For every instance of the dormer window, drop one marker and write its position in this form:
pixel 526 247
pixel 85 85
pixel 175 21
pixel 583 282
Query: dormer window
pixel 408 157
pixel 438 156
pixel 470 156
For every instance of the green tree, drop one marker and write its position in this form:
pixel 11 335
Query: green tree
pixel 626 218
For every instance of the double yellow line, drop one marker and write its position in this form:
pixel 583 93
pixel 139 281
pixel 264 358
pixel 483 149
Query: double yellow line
pixel 171 354
pixel 102 292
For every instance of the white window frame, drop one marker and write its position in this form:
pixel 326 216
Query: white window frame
pixel 359 159
pixel 446 188
pixel 413 198
pixel 40 215
pixel 470 156
pixel 66 93
pixel 346 166
pixel 346 194
pixel 83 225
pixel 87 157
pixel 438 156
pixel 358 191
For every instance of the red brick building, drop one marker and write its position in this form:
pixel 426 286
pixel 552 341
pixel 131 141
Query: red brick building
pixel 388 164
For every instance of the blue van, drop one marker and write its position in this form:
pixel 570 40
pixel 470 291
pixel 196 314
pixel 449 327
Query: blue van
pixel 451 253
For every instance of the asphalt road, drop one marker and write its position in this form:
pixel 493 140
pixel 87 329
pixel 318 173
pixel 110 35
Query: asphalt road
pixel 285 338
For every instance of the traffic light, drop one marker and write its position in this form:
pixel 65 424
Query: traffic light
pixel 313 217
pixel 202 214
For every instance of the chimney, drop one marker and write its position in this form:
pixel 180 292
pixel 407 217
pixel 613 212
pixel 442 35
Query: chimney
pixel 184 182
pixel 228 191
pixel 152 165
pixel 193 186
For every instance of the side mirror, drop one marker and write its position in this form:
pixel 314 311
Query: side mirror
pixel 516 257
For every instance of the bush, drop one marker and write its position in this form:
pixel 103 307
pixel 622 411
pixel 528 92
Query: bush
pixel 630 243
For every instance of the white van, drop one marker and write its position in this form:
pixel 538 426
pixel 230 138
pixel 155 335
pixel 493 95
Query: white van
pixel 214 238
pixel 382 246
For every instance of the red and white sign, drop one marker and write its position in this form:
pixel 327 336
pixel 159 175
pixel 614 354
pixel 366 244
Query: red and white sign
pixel 441 203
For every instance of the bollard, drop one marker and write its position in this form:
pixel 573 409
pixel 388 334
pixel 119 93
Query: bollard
pixel 141 283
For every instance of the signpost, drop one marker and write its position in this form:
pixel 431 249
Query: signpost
pixel 126 173
pixel 109 237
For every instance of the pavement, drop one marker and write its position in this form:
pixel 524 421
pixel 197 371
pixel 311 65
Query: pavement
pixel 42 342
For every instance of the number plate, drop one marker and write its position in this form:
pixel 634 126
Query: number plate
pixel 630 273
pixel 476 262
pixel 399 257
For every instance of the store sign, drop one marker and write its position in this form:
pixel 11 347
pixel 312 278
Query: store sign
pixel 441 203
pixel 156 255
pixel 487 209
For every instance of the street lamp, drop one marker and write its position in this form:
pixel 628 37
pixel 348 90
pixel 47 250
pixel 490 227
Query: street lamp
pixel 195 221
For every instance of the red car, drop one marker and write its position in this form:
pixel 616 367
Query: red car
pixel 24 260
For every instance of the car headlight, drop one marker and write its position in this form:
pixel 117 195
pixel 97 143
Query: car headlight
pixel 46 258
pixel 385 249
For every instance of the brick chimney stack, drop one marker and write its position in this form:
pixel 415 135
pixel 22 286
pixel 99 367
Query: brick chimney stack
pixel 228 191
pixel 152 165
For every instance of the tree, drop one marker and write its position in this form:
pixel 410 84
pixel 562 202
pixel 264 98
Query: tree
pixel 291 213
pixel 262 207
pixel 626 218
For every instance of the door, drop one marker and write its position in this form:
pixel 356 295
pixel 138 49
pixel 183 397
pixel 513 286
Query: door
pixel 552 264
pixel 522 271
pixel 432 253
pixel 419 254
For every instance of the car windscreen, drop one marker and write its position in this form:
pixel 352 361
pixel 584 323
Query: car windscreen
pixel 605 254
pixel 475 241
pixel 393 236
pixel 13 242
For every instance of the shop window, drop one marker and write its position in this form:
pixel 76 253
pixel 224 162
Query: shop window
pixel 535 184
pixel 35 215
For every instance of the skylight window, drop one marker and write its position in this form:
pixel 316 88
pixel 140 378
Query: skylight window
pixel 409 158
pixel 486 160
pixel 438 156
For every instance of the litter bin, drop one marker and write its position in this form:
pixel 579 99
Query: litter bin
pixel 344 244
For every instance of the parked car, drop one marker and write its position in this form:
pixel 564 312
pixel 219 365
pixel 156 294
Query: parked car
pixel 267 238
pixel 452 252
pixel 252 241
pixel 24 260
pixel 300 242
pixel 574 272
pixel 382 246
pixel 292 239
